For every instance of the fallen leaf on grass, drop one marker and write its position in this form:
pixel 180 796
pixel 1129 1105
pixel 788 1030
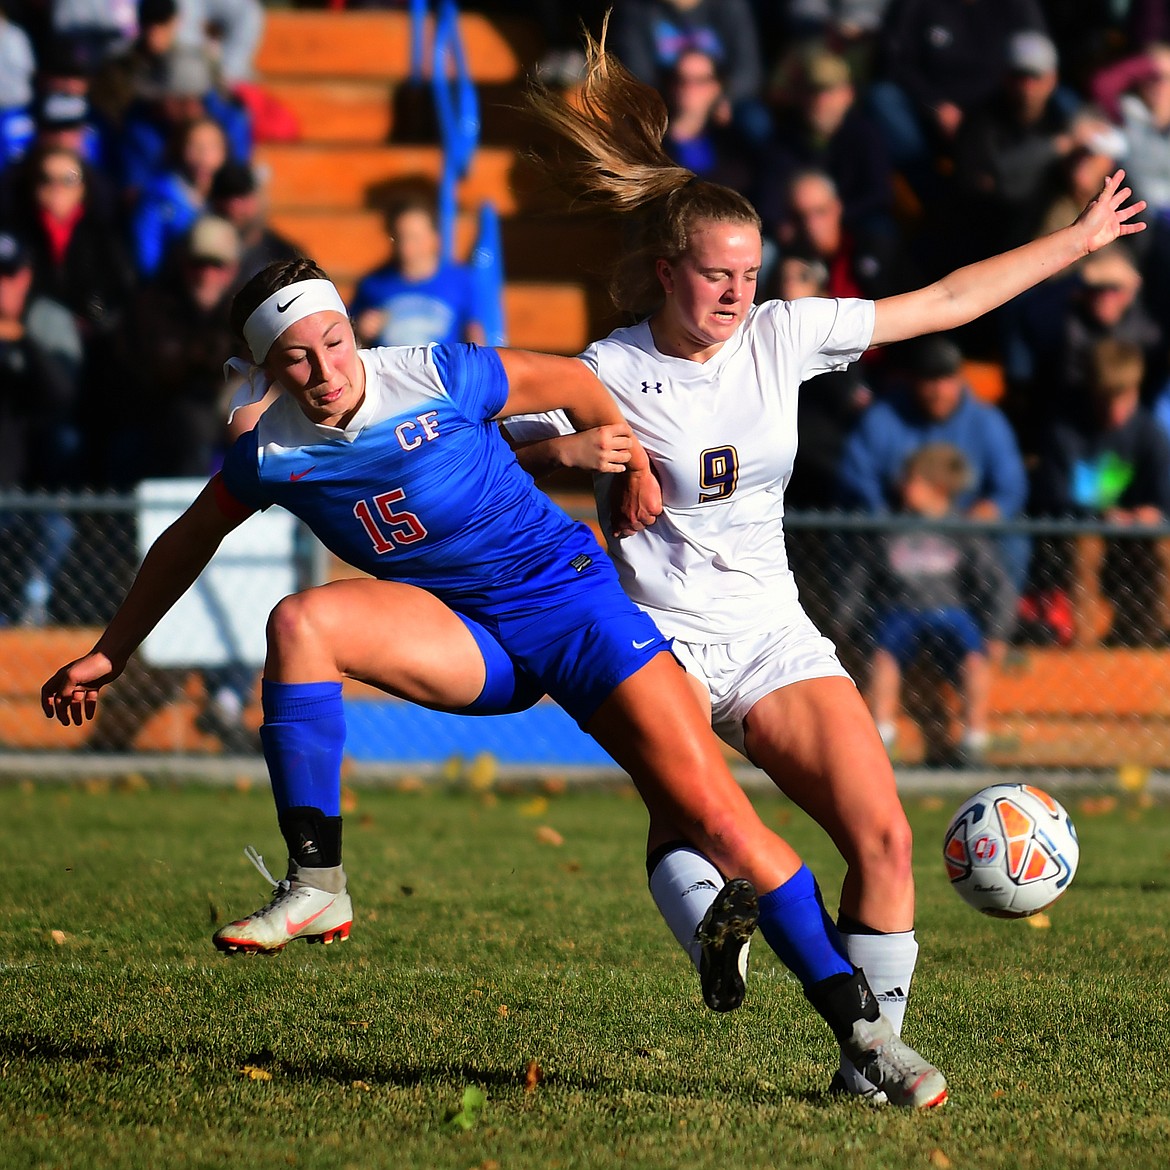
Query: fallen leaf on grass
pixel 472 1106
pixel 502 1011
pixel 931 803
pixel 536 807
pixel 481 773
pixel 361 1085
pixel 938 1158
pixel 254 1073
pixel 1133 777
pixel 59 937
pixel 549 835
pixel 1039 921
pixel 1097 806
pixel 533 1075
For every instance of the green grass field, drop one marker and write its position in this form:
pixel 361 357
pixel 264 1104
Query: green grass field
pixel 486 956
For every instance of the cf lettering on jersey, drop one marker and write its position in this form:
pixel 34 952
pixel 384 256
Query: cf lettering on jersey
pixel 408 433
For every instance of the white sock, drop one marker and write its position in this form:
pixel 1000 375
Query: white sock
pixel 684 884
pixel 888 961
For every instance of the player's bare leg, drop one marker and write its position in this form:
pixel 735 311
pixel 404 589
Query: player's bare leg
pixel 654 728
pixel 393 636
pixel 817 741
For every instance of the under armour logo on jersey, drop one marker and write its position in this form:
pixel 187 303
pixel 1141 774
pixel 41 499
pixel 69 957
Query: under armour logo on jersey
pixel 646 387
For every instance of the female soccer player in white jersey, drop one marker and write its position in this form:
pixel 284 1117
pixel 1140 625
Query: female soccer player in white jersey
pixel 709 383
pixel 481 596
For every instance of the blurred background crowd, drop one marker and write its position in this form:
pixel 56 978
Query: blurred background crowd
pixel 884 142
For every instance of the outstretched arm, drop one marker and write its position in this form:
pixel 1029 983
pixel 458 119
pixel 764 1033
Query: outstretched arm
pixel 174 561
pixel 978 288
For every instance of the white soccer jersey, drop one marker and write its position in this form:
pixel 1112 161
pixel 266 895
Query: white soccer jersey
pixel 722 436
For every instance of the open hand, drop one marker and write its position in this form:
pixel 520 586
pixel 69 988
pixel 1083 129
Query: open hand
pixel 1109 216
pixel 71 695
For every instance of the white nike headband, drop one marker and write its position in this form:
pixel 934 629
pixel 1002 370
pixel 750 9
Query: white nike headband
pixel 286 307
pixel 267 322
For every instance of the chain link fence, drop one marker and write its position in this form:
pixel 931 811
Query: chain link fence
pixel 1037 644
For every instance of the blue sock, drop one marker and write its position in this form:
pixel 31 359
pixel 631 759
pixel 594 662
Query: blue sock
pixel 794 924
pixel 303 736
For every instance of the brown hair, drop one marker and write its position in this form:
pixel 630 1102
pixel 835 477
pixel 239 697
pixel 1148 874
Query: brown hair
pixel 942 465
pixel 614 129
pixel 1116 367
pixel 271 277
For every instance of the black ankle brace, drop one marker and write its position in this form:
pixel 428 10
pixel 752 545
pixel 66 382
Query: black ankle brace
pixel 842 1000
pixel 313 839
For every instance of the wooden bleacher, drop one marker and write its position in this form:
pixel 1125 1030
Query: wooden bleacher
pixel 1051 708
pixel 340 73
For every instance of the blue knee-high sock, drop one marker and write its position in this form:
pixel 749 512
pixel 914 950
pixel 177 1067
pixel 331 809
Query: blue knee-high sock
pixel 303 736
pixel 794 924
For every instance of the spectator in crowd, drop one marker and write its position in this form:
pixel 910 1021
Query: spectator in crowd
pixel 938 407
pixel 1052 330
pixel 649 35
pixel 828 407
pixel 39 437
pixel 172 348
pixel 172 202
pixel 860 263
pixel 17 69
pixel 94 30
pixel 184 91
pixel 137 73
pixel 935 591
pixel 941 59
pixel 235 26
pixel 699 135
pixel 1007 154
pixel 77 256
pixel 819 126
pixel 1137 91
pixel 1111 461
pixel 236 196
pixel 853 27
pixel 417 297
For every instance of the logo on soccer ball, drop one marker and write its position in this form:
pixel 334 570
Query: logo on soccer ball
pixel 985 850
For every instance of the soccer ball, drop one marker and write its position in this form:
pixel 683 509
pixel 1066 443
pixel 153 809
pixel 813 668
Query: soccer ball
pixel 1011 850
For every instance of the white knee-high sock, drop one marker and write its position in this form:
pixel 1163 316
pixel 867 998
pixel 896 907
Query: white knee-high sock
pixel 683 884
pixel 888 961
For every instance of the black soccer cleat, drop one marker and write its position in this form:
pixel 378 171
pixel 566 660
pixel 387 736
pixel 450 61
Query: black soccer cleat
pixel 725 935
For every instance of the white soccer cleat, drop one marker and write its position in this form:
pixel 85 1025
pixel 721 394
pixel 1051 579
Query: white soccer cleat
pixel 894 1068
pixel 297 910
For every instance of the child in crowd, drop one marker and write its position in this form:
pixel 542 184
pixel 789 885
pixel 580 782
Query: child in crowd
pixel 930 589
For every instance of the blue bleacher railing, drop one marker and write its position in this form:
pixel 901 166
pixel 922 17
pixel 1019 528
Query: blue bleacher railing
pixel 457 111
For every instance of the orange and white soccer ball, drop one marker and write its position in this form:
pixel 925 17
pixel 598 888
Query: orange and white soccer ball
pixel 1011 850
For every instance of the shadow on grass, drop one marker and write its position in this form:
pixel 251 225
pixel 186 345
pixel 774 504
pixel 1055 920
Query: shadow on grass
pixel 111 1056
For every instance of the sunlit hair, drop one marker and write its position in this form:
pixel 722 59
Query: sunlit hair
pixel 613 128
pixel 271 277
pixel 1116 367
pixel 942 465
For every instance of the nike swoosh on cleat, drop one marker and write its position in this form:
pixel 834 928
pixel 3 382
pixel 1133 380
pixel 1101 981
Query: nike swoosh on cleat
pixel 293 476
pixel 282 308
pixel 294 927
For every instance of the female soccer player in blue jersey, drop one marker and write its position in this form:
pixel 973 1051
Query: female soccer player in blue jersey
pixel 392 457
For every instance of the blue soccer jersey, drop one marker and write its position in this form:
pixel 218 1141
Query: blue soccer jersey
pixel 421 488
